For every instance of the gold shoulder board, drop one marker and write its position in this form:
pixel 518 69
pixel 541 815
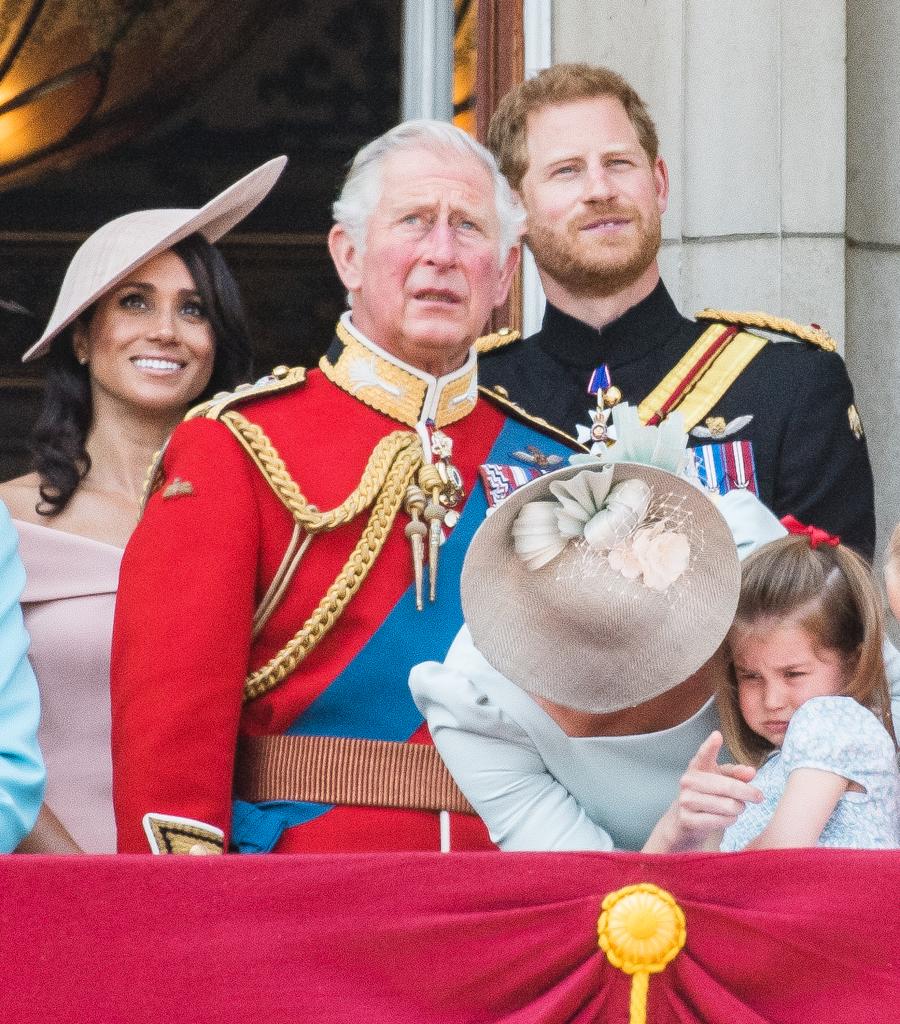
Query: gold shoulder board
pixel 489 342
pixel 499 397
pixel 282 378
pixel 811 333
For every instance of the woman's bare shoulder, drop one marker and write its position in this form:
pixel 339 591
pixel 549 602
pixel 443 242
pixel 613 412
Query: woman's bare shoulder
pixel 21 495
pixel 86 514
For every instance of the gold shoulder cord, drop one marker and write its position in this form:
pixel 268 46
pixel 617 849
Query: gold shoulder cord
pixel 391 468
pixel 282 378
pixel 812 333
pixel 153 477
pixel 499 339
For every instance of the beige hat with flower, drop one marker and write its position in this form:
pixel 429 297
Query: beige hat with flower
pixel 600 587
pixel 113 251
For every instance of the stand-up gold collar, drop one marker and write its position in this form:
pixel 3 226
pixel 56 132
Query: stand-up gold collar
pixel 403 392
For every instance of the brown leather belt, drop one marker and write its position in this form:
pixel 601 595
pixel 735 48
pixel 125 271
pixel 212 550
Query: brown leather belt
pixel 338 770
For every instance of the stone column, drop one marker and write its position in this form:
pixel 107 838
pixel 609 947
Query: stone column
pixel 749 103
pixel 873 239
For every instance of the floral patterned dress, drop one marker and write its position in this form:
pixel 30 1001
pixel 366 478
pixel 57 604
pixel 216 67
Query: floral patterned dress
pixel 834 734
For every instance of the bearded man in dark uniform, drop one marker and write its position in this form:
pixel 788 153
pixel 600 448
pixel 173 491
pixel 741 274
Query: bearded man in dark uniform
pixel 768 403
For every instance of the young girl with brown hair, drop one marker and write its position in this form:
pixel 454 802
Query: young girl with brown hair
pixel 806 701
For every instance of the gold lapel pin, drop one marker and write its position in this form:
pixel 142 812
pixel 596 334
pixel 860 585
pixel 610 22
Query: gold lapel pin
pixel 178 488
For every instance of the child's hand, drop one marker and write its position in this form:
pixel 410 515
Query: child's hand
pixel 711 797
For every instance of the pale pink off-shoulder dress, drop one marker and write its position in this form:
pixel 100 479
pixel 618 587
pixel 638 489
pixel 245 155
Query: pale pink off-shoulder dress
pixel 68 604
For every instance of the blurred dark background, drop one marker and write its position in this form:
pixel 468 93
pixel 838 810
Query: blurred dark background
pixel 117 106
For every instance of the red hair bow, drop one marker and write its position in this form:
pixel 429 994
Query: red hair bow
pixel 816 536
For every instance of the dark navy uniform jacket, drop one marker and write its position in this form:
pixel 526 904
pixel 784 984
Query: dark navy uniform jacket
pixel 809 463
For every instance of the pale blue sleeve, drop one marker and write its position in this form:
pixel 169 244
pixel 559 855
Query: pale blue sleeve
pixel 495 762
pixel 892 670
pixel 21 765
pixel 752 524
pixel 836 734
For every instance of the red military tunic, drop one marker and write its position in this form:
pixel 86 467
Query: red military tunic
pixel 209 543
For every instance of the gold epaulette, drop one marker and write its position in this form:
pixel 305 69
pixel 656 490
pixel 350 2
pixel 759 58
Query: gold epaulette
pixel 490 342
pixel 812 333
pixel 498 396
pixel 282 378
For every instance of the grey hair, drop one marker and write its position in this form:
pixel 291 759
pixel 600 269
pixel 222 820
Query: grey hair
pixel 362 187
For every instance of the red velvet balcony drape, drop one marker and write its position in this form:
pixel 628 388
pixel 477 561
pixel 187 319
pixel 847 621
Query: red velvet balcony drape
pixel 808 936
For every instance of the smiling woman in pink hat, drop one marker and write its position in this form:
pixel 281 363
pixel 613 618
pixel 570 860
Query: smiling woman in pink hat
pixel 148 321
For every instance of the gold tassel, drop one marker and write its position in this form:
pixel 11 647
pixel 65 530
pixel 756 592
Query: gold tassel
pixel 434 516
pixel 430 481
pixel 416 530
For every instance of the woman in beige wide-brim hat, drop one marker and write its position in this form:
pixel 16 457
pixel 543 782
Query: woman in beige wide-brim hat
pixel 148 321
pixel 580 693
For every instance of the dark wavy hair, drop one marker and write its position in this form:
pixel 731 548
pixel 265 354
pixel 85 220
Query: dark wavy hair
pixel 58 438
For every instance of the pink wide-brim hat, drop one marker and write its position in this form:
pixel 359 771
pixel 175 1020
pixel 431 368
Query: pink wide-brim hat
pixel 113 251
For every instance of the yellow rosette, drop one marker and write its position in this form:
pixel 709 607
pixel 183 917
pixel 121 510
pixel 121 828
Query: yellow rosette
pixel 641 930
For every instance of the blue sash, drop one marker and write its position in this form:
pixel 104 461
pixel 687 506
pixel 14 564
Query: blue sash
pixel 371 698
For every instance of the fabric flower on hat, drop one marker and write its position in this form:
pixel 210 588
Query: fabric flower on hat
pixel 591 506
pixel 587 506
pixel 659 555
pixel 610 519
pixel 622 513
pixel 624 561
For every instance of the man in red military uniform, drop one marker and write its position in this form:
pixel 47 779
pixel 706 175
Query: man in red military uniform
pixel 302 545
